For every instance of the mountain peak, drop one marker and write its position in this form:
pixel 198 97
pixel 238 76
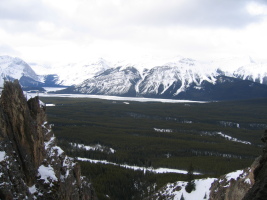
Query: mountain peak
pixel 14 68
pixel 160 76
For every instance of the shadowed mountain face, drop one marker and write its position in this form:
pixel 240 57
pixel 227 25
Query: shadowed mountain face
pixel 32 166
pixel 128 82
pixel 176 78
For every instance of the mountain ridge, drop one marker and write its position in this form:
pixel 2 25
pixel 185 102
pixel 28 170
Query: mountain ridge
pixel 175 77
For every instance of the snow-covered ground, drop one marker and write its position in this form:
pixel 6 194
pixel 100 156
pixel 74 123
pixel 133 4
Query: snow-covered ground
pixel 96 147
pixel 175 190
pixel 232 138
pixel 150 169
pixel 2 155
pixel 227 137
pixel 50 104
pixel 163 130
pixel 115 98
pixel 229 124
pixel 47 173
pixel 53 89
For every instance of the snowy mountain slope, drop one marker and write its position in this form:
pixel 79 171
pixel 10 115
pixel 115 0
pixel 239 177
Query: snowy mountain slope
pixel 176 75
pixel 74 73
pixel 182 78
pixel 225 88
pixel 244 68
pixel 253 72
pixel 116 81
pixel 173 77
pixel 15 68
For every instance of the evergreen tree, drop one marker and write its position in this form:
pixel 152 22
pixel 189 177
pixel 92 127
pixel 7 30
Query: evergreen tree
pixel 190 186
pixel 182 197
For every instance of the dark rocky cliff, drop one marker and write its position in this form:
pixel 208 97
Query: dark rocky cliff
pixel 251 184
pixel 31 165
pixel 259 189
pixel 225 188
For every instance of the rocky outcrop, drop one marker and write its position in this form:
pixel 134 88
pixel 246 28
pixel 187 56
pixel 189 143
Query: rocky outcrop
pixel 259 189
pixel 235 185
pixel 32 166
pixel 250 184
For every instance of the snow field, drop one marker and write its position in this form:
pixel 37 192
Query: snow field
pixel 150 169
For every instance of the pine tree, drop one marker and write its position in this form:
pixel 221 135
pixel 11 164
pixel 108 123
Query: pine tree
pixel 182 197
pixel 190 186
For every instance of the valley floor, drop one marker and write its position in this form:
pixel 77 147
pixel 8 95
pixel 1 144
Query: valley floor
pixel 121 134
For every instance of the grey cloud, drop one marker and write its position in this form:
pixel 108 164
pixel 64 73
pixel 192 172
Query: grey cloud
pixel 204 13
pixel 23 16
pixel 24 10
pixel 110 21
pixel 261 1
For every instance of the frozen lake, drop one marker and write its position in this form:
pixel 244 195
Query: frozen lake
pixel 106 97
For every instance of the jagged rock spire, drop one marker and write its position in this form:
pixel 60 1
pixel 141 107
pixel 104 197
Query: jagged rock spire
pixel 31 165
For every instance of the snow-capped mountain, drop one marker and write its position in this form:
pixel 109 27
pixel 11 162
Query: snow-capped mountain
pixel 73 73
pixel 15 68
pixel 244 68
pixel 181 78
pixel 175 77
pixel 113 81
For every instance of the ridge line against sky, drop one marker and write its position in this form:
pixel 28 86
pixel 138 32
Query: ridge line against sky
pixel 56 30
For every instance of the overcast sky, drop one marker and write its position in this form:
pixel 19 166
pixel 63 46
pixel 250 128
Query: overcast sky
pixel 70 30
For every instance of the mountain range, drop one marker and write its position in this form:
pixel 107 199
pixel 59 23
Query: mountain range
pixel 174 78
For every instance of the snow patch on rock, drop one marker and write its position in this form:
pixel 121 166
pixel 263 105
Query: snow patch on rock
pixel 47 173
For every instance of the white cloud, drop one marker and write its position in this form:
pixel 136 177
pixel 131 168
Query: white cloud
pixel 255 8
pixel 7 50
pixel 24 10
pixel 52 30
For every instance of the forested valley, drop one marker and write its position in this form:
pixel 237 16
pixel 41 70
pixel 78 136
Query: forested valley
pixel 213 137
